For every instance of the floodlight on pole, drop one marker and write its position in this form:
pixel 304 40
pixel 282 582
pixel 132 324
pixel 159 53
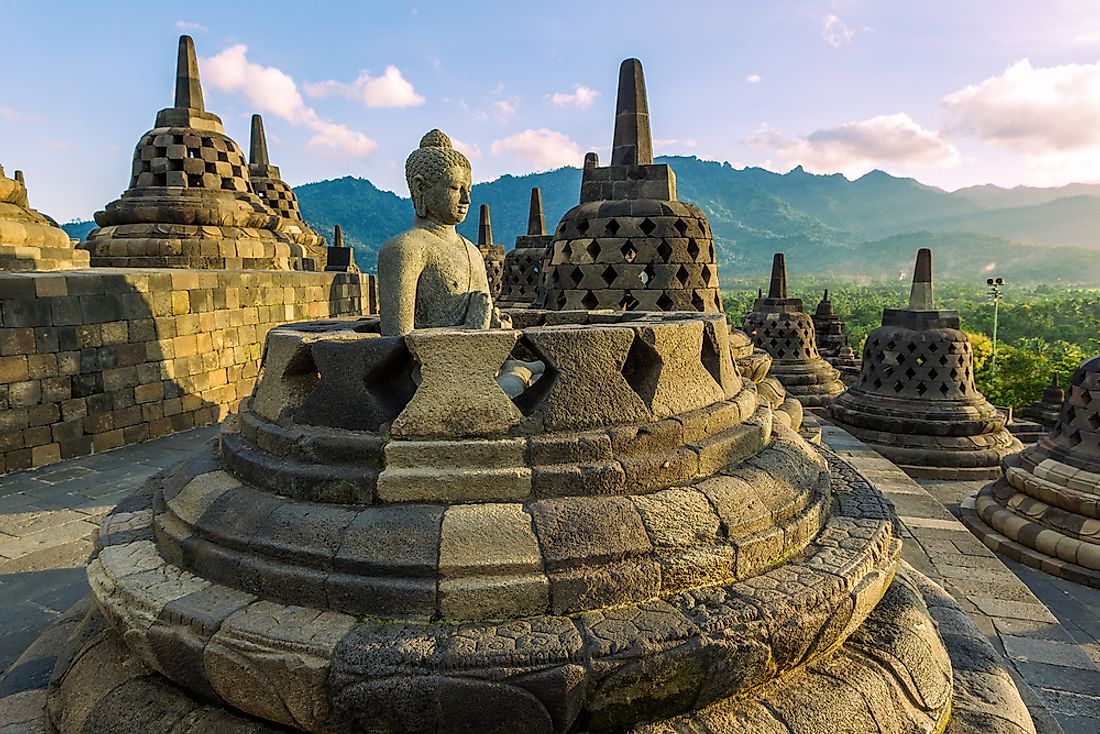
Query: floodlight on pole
pixel 995 287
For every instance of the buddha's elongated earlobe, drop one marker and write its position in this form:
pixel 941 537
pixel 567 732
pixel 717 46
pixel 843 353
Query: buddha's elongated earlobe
pixel 417 192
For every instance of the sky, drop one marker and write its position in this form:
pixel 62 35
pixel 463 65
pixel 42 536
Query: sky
pixel 953 93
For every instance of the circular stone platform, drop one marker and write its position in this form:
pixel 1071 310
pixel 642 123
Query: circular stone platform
pixel 383 541
pixel 1045 510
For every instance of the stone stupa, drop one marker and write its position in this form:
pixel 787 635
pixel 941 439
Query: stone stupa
pixel 630 244
pixel 492 253
pixel 523 265
pixel 778 325
pixel 1045 509
pixel 30 240
pixel 383 541
pixel 915 401
pixel 1047 410
pixel 190 203
pixel 279 197
pixel 832 340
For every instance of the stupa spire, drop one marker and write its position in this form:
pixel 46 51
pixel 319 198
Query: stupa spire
pixel 777 289
pixel 920 295
pixel 484 227
pixel 633 142
pixel 257 151
pixel 536 226
pixel 338 236
pixel 188 89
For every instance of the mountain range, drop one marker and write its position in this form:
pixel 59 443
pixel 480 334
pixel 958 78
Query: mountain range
pixel 866 229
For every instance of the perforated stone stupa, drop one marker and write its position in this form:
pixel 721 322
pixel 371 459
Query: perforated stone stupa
pixel 190 203
pixel 633 545
pixel 491 252
pixel 631 244
pixel 1047 410
pixel 778 325
pixel 1045 509
pixel 832 340
pixel 523 265
pixel 268 184
pixel 30 240
pixel 915 401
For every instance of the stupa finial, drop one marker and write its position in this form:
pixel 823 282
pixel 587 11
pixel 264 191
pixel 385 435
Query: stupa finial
pixel 337 235
pixel 633 143
pixel 920 295
pixel 484 227
pixel 826 296
pixel 188 89
pixel 536 226
pixel 778 287
pixel 257 150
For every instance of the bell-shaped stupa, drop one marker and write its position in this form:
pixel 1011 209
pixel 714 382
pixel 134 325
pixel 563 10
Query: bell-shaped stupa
pixel 30 240
pixel 523 265
pixel 915 401
pixel 1045 510
pixel 492 253
pixel 832 339
pixel 191 203
pixel 279 197
pixel 778 325
pixel 631 244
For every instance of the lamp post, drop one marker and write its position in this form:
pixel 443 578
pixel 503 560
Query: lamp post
pixel 995 286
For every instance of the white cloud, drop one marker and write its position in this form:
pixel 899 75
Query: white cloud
pixel 1033 111
pixel 752 79
pixel 835 32
pixel 56 144
pixel 389 90
pixel 581 98
pixel 189 27
pixel 271 90
pixel 503 110
pixel 542 147
pixel 470 150
pixel 1087 39
pixel 857 147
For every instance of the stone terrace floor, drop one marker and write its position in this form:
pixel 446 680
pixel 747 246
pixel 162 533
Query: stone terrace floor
pixel 1048 628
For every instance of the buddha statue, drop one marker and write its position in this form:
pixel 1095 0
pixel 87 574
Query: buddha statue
pixel 429 275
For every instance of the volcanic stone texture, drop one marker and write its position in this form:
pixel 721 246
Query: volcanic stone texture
pixel 28 239
pixel 93 360
pixel 1045 510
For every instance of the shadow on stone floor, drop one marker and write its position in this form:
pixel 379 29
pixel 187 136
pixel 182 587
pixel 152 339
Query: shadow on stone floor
pixel 30 601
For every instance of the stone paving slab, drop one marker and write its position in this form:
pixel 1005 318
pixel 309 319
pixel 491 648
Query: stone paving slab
pixel 46 518
pixel 1063 680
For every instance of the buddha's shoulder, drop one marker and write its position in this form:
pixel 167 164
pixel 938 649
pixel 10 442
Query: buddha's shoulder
pixel 409 242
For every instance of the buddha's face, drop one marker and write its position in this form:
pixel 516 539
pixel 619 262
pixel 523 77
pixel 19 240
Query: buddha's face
pixel 448 199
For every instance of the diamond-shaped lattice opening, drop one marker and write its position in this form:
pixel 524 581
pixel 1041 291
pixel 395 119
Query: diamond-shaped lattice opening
pixel 910 373
pixel 590 301
pixel 582 227
pixel 612 227
pixel 921 388
pixel 609 274
pixel 693 249
pixel 664 251
pixel 648 274
pixel 567 252
pixel 1074 437
pixel 577 275
pixel 891 345
pixel 697 301
pixel 1093 421
pixel 525 357
pixel 629 251
pixel 898 386
pixel 962 388
pixel 954 373
pixel 706 274
pixel 665 303
pixel 560 301
pixel 877 383
pixel 641 368
pixel 920 360
pixel 943 361
pixel 933 375
pixel 681 227
pixel 593 249
pixel 628 302
pixel 682 275
pixel 911 347
pixel 781 353
pixel 647 226
pixel 933 348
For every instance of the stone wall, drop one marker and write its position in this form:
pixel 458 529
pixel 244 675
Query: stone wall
pixel 95 359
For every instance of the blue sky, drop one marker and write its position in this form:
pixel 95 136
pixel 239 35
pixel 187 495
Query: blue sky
pixel 952 93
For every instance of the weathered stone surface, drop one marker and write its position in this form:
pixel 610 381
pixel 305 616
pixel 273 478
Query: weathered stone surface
pixel 458 394
pixel 30 241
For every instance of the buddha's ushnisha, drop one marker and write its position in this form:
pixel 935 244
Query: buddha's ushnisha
pixel 429 275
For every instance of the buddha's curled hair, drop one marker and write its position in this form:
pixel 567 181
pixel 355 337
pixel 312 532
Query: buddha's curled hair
pixel 434 156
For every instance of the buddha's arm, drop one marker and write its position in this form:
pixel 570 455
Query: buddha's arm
pixel 399 266
pixel 480 312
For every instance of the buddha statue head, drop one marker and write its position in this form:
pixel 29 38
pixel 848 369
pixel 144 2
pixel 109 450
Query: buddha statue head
pixel 439 179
